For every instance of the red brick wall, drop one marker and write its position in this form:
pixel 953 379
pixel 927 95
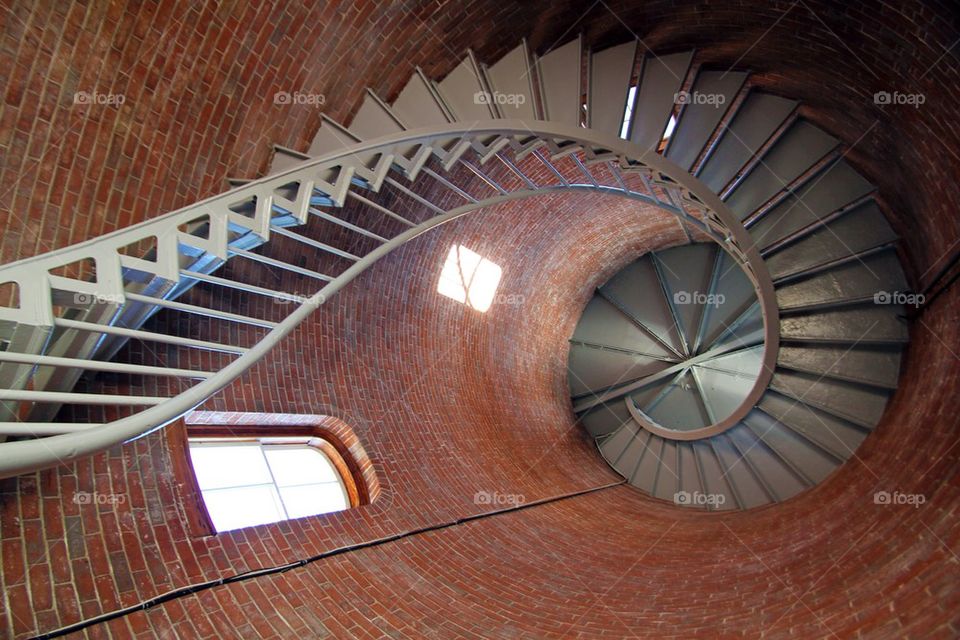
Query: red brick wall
pixel 449 402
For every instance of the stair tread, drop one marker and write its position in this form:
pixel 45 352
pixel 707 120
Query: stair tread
pixel 637 288
pixel 606 418
pixel 877 366
pixel 699 120
pixel 559 73
pixel 859 279
pixel 797 150
pixel 862 324
pixel 512 76
pixel 857 403
pixel 602 323
pixel 766 462
pixel 859 230
pixel 373 120
pixel 837 186
pixel 811 461
pixel 832 432
pixel 416 104
pixel 756 120
pixel 660 80
pixel 460 90
pixel 610 73
pixel 595 370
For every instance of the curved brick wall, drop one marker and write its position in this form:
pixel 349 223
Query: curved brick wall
pixel 448 402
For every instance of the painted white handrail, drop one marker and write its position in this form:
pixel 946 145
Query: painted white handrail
pixel 331 177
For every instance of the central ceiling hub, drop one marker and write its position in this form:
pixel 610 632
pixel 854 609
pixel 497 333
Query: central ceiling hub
pixel 674 342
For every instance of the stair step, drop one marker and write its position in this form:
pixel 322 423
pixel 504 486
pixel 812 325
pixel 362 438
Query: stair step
pixel 713 479
pixel 610 74
pixel 856 403
pixel 799 149
pixel 661 79
pixel 331 136
pixel 806 458
pixel 758 117
pixel 837 186
pixel 605 419
pixel 512 76
pixel 689 473
pixel 374 119
pixel 852 281
pixel 874 366
pixel 866 325
pixel 774 473
pixel 686 272
pixel 613 446
pixel 461 91
pixel 559 72
pixel 645 473
pixel 628 460
pixel 734 295
pixel 637 291
pixel 667 483
pixel 592 370
pixel 737 471
pixel 861 230
pixel 417 104
pixel 680 408
pixel 712 94
pixel 746 330
pixel 832 434
pixel 602 323
pixel 724 390
pixel 284 159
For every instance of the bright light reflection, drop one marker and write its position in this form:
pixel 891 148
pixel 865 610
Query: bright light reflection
pixel 249 483
pixel 468 278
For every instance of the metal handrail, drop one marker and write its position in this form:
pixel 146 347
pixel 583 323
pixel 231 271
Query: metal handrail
pixel 448 143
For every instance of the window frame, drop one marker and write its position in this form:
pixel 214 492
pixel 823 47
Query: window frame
pixel 199 522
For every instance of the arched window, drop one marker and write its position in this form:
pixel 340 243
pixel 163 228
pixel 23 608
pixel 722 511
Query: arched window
pixel 248 469
pixel 246 482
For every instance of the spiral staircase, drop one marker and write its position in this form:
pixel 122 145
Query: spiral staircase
pixel 753 399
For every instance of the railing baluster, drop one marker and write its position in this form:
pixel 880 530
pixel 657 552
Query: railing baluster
pixel 97 365
pixel 201 311
pixel 380 208
pixel 549 165
pixel 480 174
pixel 21 395
pixel 316 244
pixel 147 335
pixel 415 196
pixel 241 286
pixel 449 185
pixel 280 264
pixel 586 172
pixel 39 429
pixel 516 170
pixel 346 225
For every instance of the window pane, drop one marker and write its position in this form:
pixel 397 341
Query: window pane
pixel 242 507
pixel 228 465
pixel 299 465
pixel 310 500
pixel 466 277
